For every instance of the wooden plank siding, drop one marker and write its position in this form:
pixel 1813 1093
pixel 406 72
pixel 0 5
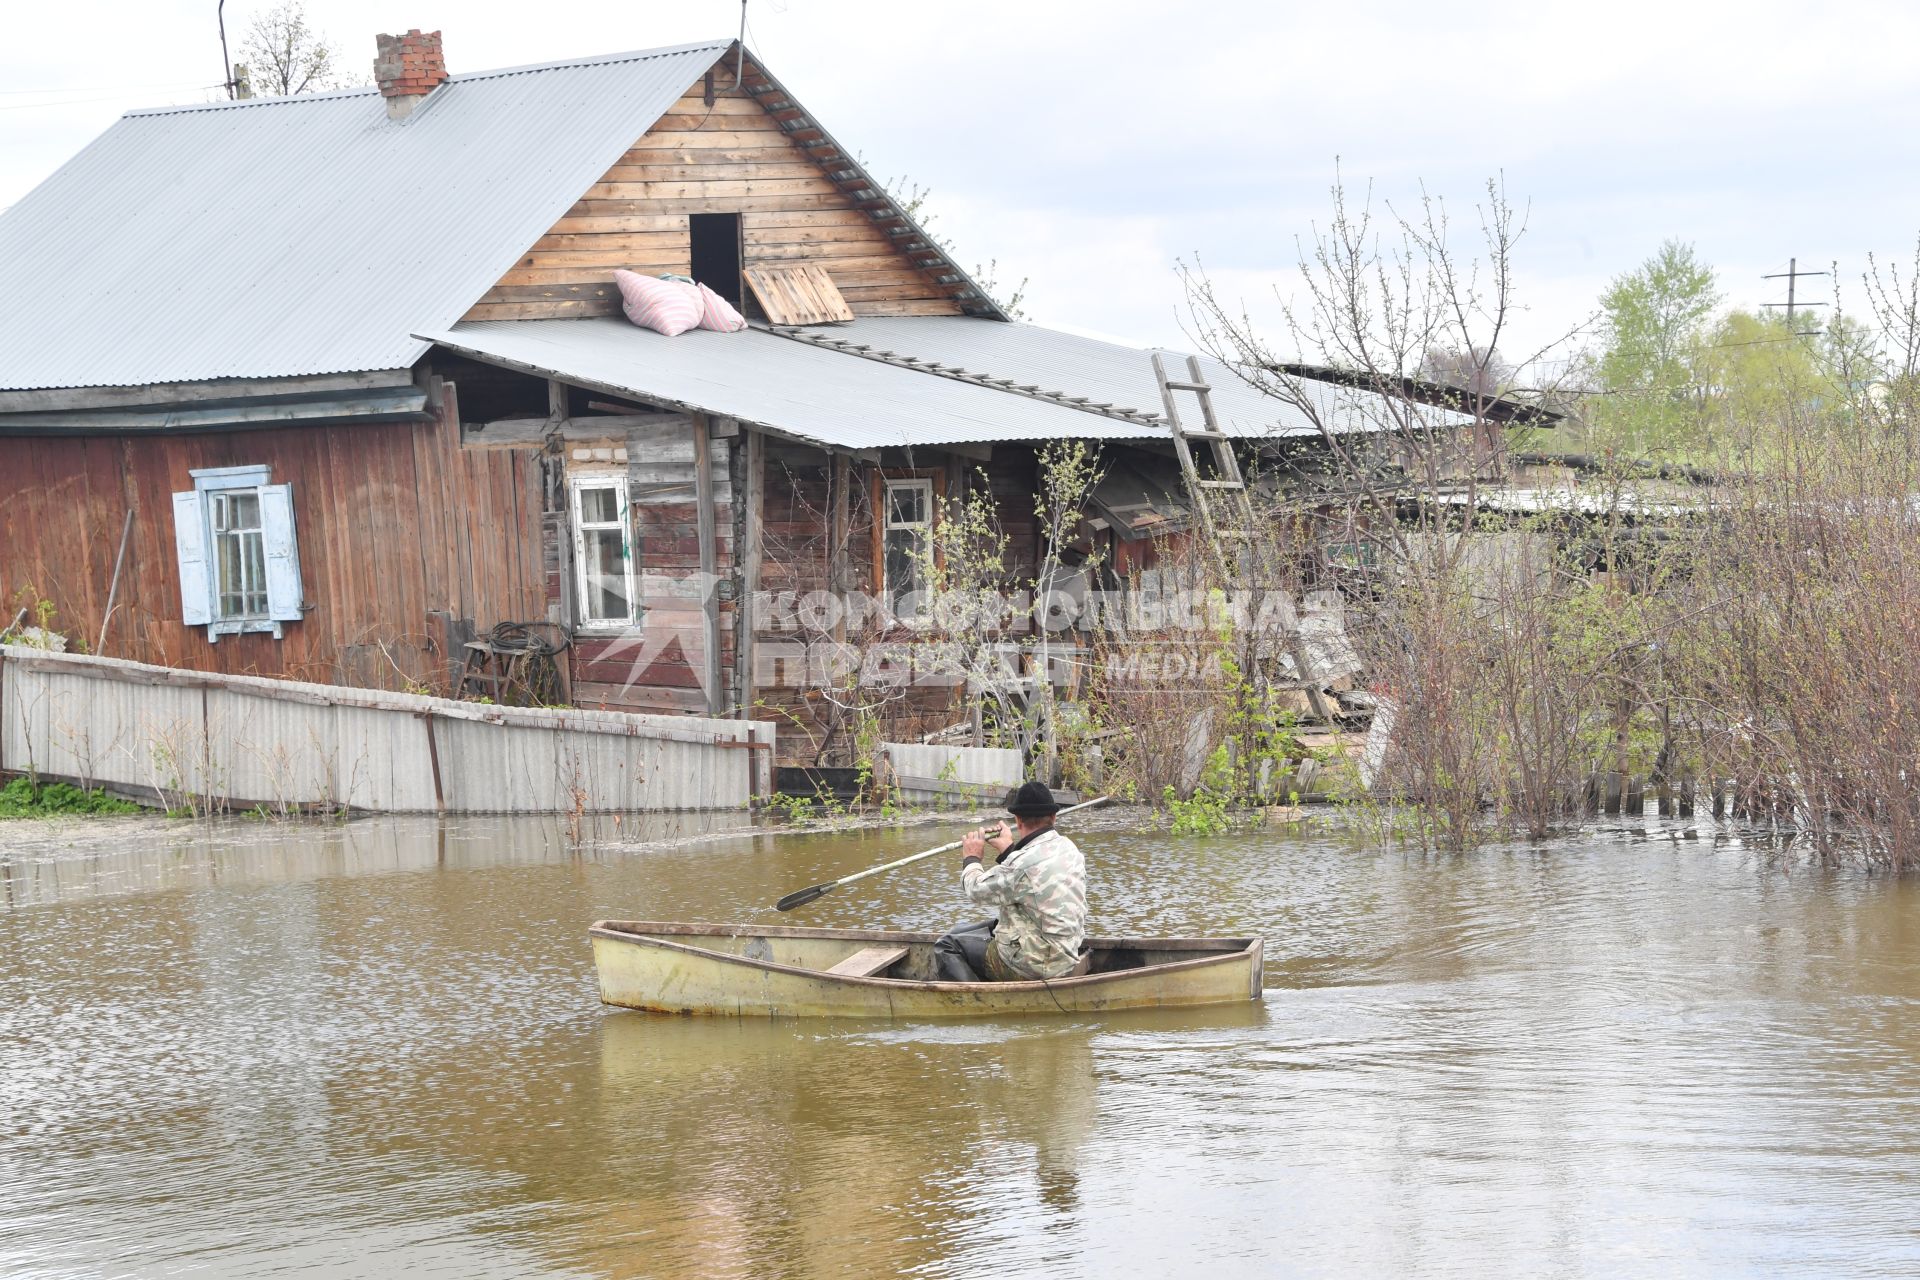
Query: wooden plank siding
pixel 394 522
pixel 656 667
pixel 730 158
pixel 795 554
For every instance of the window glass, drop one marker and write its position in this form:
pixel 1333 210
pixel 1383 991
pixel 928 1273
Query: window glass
pixel 606 575
pixel 903 564
pixel 240 558
pixel 908 541
pixel 909 504
pixel 605 552
pixel 599 506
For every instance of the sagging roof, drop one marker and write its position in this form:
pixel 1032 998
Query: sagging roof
pixel 790 387
pixel 1489 408
pixel 923 380
pixel 1116 377
pixel 274 237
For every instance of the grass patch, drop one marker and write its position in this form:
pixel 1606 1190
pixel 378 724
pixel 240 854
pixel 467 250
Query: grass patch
pixel 21 798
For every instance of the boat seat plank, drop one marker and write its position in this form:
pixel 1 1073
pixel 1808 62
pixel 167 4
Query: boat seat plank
pixel 869 961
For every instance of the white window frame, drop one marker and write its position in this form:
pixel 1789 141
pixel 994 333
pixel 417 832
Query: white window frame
pixel 199 562
pixel 888 525
pixel 249 544
pixel 623 521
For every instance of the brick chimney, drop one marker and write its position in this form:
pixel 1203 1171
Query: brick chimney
pixel 407 68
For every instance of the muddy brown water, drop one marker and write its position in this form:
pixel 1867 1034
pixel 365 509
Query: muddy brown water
pixel 375 1049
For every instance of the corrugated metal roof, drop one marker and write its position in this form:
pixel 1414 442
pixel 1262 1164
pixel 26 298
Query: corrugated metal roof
pixel 815 383
pixel 1100 371
pixel 143 259
pixel 792 387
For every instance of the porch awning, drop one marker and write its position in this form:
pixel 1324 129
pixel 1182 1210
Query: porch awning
pixel 798 389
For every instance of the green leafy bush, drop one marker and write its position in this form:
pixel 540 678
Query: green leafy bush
pixel 1205 813
pixel 22 798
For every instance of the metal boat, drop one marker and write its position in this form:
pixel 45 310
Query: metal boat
pixel 771 971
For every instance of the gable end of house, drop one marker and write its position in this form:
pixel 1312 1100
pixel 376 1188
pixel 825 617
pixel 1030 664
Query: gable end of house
pixel 735 146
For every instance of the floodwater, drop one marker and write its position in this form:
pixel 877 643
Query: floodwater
pixel 373 1049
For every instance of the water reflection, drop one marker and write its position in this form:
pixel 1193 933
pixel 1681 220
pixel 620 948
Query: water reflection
pixel 373 1048
pixel 786 1146
pixel 70 860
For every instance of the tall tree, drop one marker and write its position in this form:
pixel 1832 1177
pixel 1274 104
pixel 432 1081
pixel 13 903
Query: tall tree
pixel 285 56
pixel 1655 319
pixel 1764 379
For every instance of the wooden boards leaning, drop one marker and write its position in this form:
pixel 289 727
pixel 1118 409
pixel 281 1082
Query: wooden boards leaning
pixel 802 294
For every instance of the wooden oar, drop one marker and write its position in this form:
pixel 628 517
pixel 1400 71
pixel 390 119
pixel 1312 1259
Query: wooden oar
pixel 804 896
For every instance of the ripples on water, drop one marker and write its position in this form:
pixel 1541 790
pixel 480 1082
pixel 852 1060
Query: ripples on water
pixel 374 1049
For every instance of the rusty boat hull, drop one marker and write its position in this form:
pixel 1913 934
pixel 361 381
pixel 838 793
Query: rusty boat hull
pixel 782 972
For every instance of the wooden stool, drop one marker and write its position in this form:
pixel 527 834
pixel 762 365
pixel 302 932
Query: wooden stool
pixel 487 671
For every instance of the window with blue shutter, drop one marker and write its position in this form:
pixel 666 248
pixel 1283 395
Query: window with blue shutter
pixel 238 551
pixel 190 541
pixel 284 597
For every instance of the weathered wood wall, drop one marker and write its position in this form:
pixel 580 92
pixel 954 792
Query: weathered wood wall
pixel 732 157
pixel 795 557
pixel 657 666
pixel 394 520
pixel 797 552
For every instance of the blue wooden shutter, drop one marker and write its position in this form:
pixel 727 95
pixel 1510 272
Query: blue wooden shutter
pixel 284 595
pixel 190 544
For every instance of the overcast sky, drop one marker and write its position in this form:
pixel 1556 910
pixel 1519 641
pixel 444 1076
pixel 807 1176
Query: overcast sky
pixel 1088 146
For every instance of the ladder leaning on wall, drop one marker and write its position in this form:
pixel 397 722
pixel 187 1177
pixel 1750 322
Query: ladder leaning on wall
pixel 1229 534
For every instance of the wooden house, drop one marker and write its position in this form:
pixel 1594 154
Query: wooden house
pixel 330 386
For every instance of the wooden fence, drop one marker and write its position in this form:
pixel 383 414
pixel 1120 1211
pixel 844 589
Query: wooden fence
pixel 1617 793
pixel 194 739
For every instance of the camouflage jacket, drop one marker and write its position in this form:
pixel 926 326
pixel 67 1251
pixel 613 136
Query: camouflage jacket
pixel 1041 890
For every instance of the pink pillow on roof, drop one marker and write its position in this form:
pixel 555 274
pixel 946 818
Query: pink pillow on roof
pixel 665 306
pixel 718 314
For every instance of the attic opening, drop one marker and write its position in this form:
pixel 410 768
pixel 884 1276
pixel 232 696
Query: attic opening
pixel 718 255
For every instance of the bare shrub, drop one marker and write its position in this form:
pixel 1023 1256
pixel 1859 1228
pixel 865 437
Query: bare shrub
pixel 1735 592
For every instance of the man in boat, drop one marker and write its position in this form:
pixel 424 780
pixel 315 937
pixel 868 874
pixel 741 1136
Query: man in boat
pixel 1038 882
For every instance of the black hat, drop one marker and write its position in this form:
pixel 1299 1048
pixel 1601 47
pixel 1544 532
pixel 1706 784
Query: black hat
pixel 1032 800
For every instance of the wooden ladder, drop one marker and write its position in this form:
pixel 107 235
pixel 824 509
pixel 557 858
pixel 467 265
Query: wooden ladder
pixel 1226 465
pixel 1227 481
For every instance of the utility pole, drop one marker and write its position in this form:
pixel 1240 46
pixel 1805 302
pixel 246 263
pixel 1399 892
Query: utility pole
pixel 1792 276
pixel 220 16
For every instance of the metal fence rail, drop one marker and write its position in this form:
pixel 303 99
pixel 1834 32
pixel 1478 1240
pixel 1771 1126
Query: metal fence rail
pixel 243 741
pixel 927 774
